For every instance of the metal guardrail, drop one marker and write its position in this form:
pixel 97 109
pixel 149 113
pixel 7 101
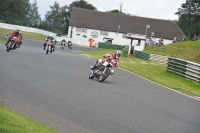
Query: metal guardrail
pixel 184 68
pixel 142 55
pixel 152 57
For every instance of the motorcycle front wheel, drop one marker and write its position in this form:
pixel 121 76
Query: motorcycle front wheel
pixel 91 76
pixel 103 76
pixel 47 51
pixel 8 47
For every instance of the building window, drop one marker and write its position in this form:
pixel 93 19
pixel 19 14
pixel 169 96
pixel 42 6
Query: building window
pixel 104 33
pixel 84 30
pixel 124 36
pixel 78 29
pixel 81 30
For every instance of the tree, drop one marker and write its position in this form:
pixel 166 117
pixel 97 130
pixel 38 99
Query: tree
pixel 33 14
pixel 79 4
pixel 14 11
pixel 120 11
pixel 116 11
pixel 189 20
pixel 57 17
pixel 121 7
pixel 7 4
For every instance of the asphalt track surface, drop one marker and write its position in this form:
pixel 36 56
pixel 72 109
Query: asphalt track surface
pixel 55 89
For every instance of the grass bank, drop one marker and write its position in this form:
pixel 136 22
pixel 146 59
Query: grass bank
pixel 26 35
pixel 154 72
pixel 11 122
pixel 2 41
pixel 188 50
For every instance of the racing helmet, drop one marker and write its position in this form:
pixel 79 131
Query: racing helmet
pixel 117 54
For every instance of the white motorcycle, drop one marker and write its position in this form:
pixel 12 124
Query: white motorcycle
pixel 103 70
pixel 49 47
pixel 63 45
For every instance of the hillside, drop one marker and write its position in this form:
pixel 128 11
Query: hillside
pixel 188 50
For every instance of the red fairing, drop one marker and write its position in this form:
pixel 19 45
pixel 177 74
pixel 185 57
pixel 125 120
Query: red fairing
pixel 48 42
pixel 113 62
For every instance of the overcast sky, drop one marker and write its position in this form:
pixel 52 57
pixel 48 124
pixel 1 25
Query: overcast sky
pixel 160 9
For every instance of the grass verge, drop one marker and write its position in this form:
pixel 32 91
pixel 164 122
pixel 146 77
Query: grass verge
pixel 11 122
pixel 188 50
pixel 26 35
pixel 154 72
pixel 2 41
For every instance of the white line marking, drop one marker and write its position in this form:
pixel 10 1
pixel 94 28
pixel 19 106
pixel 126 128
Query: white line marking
pixel 193 97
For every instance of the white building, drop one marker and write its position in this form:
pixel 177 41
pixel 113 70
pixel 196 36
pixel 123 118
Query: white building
pixel 119 28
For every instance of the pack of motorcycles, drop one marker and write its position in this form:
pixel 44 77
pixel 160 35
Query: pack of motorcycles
pixel 101 72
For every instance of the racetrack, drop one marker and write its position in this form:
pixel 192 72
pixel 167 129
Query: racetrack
pixel 55 89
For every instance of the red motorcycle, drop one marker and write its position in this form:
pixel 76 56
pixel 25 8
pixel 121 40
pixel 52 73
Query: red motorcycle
pixel 12 44
pixel 70 45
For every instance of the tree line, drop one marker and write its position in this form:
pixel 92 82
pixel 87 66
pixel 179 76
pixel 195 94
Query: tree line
pixel 189 18
pixel 23 12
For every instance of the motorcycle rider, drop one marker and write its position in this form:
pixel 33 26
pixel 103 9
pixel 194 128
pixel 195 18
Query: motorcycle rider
pixel 18 35
pixel 108 57
pixel 69 42
pixel 45 43
pixel 62 42
pixel 20 38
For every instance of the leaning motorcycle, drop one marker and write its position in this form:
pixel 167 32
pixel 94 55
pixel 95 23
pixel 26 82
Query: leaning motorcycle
pixel 11 44
pixel 49 46
pixel 102 71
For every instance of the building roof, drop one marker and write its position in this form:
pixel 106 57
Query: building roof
pixel 128 24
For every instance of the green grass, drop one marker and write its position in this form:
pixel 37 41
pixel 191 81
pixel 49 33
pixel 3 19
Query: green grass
pixel 11 122
pixel 188 50
pixel 2 41
pixel 154 72
pixel 26 35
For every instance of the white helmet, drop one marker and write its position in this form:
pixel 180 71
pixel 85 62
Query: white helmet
pixel 50 35
pixel 117 53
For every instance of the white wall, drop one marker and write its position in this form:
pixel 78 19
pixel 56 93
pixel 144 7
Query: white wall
pixel 80 40
pixel 117 38
pixel 29 29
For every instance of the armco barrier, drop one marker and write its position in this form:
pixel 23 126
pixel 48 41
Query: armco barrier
pixel 184 68
pixel 142 55
pixel 152 57
pixel 29 29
